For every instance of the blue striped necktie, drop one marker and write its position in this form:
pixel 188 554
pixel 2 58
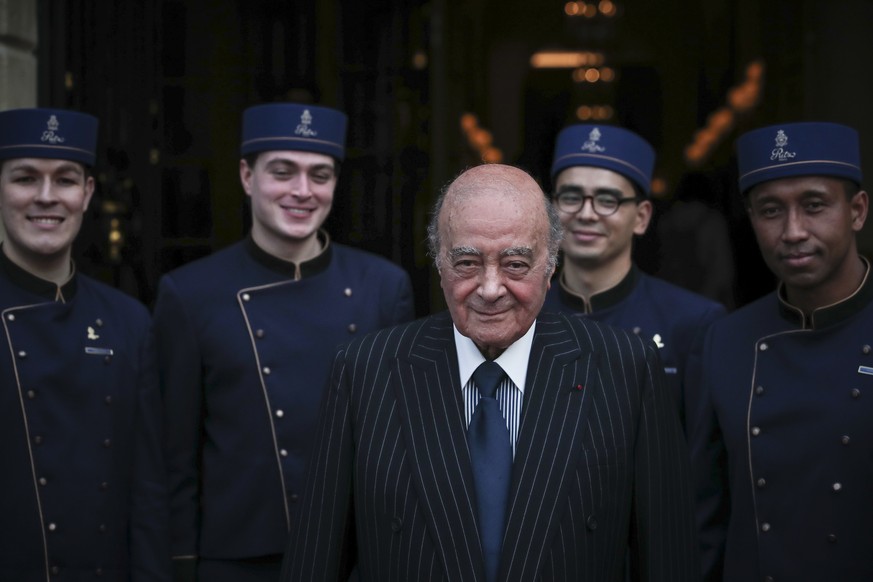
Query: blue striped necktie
pixel 491 453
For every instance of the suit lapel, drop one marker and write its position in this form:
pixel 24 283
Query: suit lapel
pixel 561 376
pixel 432 413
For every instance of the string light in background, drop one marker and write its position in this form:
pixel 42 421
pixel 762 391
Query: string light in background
pixel 480 139
pixel 740 99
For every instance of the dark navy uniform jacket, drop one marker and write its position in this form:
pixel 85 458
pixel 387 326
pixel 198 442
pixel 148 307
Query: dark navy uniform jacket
pixel 782 443
pixel 674 319
pixel 82 492
pixel 245 347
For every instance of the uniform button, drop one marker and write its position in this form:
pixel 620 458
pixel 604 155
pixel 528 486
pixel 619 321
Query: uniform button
pixel 37 440
pixel 866 349
pixel 31 394
pixel 266 370
pixel 765 527
pixel 294 497
pixel 104 486
pixel 259 333
pixel 856 393
pixel 348 292
pixel 756 431
pixel 283 452
pixel 353 328
pixel 107 359
pixel 107 443
pixel 832 538
pixel 761 482
pixel 22 354
pixel 55 570
pixel 636 330
pixel 99 322
pixel 763 346
pixel 768 579
pixel 108 399
pixel 759 390
pixel 396 524
pixel 845 439
pixel 98 572
pixel 52 526
pixel 102 528
pixel 42 481
pixel 246 297
pixel 11 317
pixel 837 487
pixel 280 413
pixel 591 523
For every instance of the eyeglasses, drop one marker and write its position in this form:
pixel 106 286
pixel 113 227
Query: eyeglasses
pixel 571 200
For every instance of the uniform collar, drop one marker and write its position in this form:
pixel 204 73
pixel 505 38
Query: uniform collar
pixel 602 300
pixel 291 269
pixel 829 314
pixel 31 283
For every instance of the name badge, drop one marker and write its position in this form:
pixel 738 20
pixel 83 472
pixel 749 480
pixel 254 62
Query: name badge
pixel 98 351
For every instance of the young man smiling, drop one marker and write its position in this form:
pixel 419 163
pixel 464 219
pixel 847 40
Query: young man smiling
pixel 602 178
pixel 781 444
pixel 82 494
pixel 246 338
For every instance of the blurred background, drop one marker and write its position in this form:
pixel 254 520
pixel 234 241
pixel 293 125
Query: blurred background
pixel 431 87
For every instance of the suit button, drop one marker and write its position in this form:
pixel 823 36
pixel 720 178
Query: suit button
pixel 591 523
pixel 55 570
pixel 98 572
pixel 108 399
pixel 104 486
pixel 768 578
pixel 832 538
pixel 396 524
pixel 102 528
pixel 107 443
pixel 294 497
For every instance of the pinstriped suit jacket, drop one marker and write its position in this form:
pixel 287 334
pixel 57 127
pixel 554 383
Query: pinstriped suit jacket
pixel 600 466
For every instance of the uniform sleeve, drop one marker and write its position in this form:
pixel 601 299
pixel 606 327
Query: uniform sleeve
pixel 663 541
pixel 179 364
pixel 322 541
pixel 402 304
pixel 150 554
pixel 709 466
pixel 691 375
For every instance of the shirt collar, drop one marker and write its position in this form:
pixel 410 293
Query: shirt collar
pixel 290 269
pixel 602 300
pixel 26 280
pixel 829 314
pixel 513 360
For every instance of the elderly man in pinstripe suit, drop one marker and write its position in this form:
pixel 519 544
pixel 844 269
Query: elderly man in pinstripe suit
pixel 596 465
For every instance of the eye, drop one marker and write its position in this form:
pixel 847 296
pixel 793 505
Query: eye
pixel 769 211
pixel 815 206
pixel 606 201
pixel 322 177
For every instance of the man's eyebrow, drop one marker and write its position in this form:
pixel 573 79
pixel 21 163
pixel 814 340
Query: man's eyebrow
pixel 463 251
pixel 517 252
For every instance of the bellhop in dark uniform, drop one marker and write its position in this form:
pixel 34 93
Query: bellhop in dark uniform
pixel 612 167
pixel 782 441
pixel 83 494
pixel 246 337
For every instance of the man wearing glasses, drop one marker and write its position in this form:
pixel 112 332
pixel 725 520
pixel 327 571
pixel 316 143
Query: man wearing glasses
pixel 601 178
